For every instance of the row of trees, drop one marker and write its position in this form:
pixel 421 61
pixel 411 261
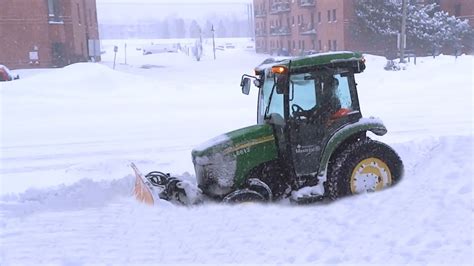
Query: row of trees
pixel 177 28
pixel 427 26
pixel 223 28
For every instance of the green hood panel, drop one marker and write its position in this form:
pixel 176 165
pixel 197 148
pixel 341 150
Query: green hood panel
pixel 234 154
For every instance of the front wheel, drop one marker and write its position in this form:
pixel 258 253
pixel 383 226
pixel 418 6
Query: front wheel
pixel 364 166
pixel 244 195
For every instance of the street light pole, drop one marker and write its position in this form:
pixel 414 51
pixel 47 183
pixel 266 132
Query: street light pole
pixel 213 41
pixel 402 38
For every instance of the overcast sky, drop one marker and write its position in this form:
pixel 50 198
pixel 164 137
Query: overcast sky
pixel 132 11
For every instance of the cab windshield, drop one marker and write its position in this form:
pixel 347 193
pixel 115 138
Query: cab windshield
pixel 268 100
pixel 305 91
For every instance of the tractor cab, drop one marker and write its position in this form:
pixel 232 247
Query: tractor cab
pixel 306 100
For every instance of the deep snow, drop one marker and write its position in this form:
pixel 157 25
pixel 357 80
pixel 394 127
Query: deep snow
pixel 68 136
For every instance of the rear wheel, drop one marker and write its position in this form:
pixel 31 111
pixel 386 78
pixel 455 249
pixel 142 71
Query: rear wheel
pixel 364 166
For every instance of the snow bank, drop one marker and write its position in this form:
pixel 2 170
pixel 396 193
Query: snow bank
pixel 424 219
pixel 84 194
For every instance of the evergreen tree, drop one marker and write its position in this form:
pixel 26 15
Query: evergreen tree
pixel 235 28
pixel 165 30
pixel 428 27
pixel 221 30
pixel 207 30
pixel 180 28
pixel 194 30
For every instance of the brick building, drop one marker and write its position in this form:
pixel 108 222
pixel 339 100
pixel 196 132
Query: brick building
pixel 298 26
pixel 48 33
pixel 295 27
pixel 463 9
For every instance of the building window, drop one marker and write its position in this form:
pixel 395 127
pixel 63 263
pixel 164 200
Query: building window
pixel 334 15
pixel 329 45
pixel 320 45
pixel 313 44
pixel 334 45
pixel 312 18
pixel 294 44
pixel 319 17
pixel 54 11
pixel 79 14
pixel 293 20
pixel 329 15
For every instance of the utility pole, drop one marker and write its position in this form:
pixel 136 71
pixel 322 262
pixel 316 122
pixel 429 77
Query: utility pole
pixel 213 41
pixel 115 54
pixel 403 39
pixel 125 49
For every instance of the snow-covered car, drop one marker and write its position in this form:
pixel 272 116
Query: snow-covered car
pixel 229 46
pixel 6 74
pixel 160 48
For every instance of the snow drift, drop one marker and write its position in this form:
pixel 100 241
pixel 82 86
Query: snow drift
pixel 68 136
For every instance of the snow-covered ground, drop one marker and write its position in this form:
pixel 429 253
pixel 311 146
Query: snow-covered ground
pixel 68 136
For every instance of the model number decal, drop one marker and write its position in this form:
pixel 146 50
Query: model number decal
pixel 241 151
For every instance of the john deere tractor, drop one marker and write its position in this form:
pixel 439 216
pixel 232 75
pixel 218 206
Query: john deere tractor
pixel 310 142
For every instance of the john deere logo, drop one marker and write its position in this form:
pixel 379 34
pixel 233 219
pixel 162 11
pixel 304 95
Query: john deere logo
pixel 307 148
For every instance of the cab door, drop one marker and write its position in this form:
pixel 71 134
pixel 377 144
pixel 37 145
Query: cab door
pixel 303 133
pixel 314 117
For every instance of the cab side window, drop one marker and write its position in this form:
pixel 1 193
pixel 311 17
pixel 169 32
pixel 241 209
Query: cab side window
pixel 303 91
pixel 343 93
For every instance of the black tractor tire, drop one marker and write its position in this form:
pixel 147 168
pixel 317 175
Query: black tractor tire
pixel 341 178
pixel 244 195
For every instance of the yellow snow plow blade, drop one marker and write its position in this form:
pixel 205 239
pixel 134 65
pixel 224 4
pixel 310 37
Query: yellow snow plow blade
pixel 142 191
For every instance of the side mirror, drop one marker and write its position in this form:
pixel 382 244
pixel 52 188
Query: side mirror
pixel 281 84
pixel 17 77
pixel 245 84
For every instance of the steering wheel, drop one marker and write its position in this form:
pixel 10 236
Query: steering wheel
pixel 298 112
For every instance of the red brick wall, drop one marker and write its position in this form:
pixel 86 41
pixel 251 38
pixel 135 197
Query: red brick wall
pixel 24 27
pixel 466 8
pixel 331 30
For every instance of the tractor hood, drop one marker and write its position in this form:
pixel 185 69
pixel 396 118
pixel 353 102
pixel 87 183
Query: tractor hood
pixel 224 162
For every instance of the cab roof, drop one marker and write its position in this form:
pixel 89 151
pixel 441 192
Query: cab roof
pixel 312 60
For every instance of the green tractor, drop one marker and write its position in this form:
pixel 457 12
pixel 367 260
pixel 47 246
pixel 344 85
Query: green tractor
pixel 309 144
